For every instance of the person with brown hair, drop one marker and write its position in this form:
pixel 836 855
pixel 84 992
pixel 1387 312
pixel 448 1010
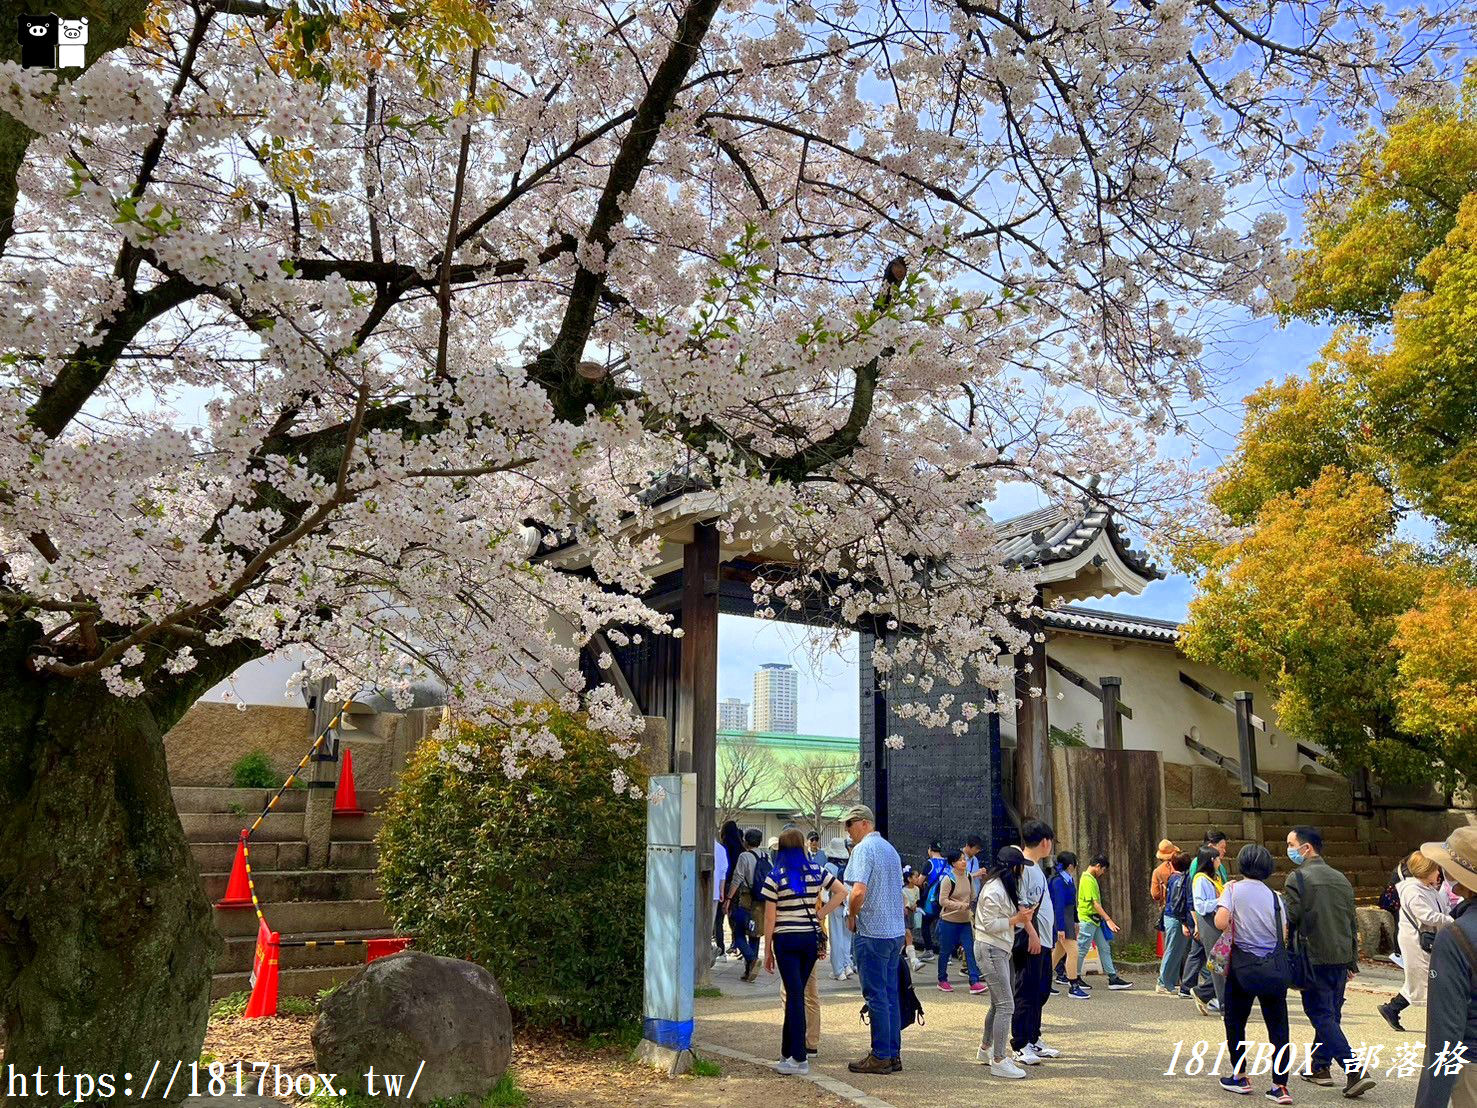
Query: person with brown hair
pixel 1424 910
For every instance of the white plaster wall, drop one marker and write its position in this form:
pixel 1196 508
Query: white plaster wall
pixel 1164 710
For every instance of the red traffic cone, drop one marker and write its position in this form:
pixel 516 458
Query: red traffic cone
pixel 238 887
pixel 346 800
pixel 263 1000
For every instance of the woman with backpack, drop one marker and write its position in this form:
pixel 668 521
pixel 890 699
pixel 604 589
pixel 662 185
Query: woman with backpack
pixel 1423 912
pixel 1252 935
pixel 1063 888
pixel 1205 893
pixel 937 867
pixel 797 893
pixel 1176 925
pixel 997 917
pixel 956 902
pixel 744 903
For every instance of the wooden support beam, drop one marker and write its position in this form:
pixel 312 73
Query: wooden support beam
pixel 1070 674
pixel 1034 797
pixel 1211 695
pixel 1246 747
pixel 1112 724
pixel 1230 765
pixel 697 714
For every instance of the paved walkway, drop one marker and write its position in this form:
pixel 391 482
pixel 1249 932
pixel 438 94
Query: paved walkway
pixel 1116 1047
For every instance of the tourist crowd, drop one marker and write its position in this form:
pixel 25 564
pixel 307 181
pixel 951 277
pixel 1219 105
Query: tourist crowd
pixel 1026 922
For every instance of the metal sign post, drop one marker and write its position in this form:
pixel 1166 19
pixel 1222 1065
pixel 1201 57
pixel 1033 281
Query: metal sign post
pixel 671 911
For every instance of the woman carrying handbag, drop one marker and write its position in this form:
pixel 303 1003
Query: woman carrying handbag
pixel 1253 947
pixel 1423 911
pixel 794 942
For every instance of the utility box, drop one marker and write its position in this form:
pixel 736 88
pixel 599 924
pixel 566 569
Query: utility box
pixel 671 915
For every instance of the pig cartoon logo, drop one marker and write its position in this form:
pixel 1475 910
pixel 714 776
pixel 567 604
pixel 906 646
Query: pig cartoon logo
pixel 38 37
pixel 71 44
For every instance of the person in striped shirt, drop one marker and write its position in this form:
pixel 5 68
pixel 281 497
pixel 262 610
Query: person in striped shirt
pixel 797 893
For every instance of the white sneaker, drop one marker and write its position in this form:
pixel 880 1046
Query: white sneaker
pixel 982 1057
pixel 915 964
pixel 1006 1068
pixel 1044 1051
pixel 839 976
pixel 789 1067
pixel 1027 1056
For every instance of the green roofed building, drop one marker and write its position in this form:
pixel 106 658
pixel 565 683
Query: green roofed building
pixel 769 779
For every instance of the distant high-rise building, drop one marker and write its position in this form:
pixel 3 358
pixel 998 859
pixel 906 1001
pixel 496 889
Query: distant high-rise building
pixel 733 714
pixel 774 698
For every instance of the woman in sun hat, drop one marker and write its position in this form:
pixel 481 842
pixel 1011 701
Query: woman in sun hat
pixel 1451 996
pixel 1159 880
pixel 1159 884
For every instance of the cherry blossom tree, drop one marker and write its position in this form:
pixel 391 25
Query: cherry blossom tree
pixel 318 323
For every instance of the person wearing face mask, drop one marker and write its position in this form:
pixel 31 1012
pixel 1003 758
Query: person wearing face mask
pixel 1320 909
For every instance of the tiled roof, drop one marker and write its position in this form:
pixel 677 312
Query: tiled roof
pixel 1094 622
pixel 1055 534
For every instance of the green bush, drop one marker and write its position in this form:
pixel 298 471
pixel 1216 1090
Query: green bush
pixel 540 879
pixel 254 771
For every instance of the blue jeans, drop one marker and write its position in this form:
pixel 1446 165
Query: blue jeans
pixel 840 942
pixel 877 965
pixel 952 935
pixel 1087 931
pixel 748 944
pixel 795 955
pixel 1176 945
pixel 1323 1003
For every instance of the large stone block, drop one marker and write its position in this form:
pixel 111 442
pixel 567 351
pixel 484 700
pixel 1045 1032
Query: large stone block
pixel 411 1009
pixel 1213 787
pixel 1177 785
pixel 1308 792
pixel 1376 931
pixel 202 746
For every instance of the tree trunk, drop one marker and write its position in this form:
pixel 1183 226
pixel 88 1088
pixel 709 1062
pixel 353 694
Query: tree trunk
pixel 106 939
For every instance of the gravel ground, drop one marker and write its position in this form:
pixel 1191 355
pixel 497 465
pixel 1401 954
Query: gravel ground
pixel 1116 1047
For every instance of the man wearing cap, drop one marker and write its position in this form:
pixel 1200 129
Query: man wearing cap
pixel 875 916
pixel 813 850
pixel 1451 999
pixel 1320 908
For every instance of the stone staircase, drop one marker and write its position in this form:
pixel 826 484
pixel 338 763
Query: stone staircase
pixel 340 902
pixel 1367 864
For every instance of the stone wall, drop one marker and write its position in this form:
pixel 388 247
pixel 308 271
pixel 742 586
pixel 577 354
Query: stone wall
pixel 203 746
pixel 1208 786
